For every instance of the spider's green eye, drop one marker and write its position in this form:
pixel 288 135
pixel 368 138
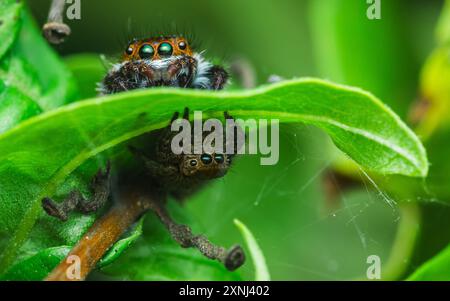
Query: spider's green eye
pixel 193 162
pixel 165 49
pixel 146 52
pixel 219 158
pixel 206 159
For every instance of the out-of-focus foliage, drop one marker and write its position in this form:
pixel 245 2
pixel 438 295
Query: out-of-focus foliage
pixel 371 54
pixel 261 270
pixel 433 107
pixel 10 11
pixel 436 269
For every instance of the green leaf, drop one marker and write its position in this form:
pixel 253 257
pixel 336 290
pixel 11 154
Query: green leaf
pixel 359 124
pixel 17 93
pixel 435 269
pixel 121 245
pixel 261 270
pixel 16 72
pixel 15 107
pixel 434 81
pixel 9 23
pixel 38 266
pixel 438 177
pixel 443 27
pixel 32 78
pixel 88 70
pixel 56 83
pixel 35 70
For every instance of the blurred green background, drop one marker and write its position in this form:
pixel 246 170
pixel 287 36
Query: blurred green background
pixel 304 230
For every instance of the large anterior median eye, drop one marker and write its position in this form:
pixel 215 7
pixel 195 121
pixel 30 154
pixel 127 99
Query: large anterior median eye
pixel 165 49
pixel 146 52
pixel 206 159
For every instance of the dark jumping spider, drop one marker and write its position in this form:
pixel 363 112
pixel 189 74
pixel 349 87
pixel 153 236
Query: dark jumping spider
pixel 171 64
pixel 180 175
pixel 163 61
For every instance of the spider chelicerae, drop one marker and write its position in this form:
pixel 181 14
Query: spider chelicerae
pixel 163 61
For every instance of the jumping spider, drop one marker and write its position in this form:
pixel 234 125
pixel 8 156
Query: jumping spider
pixel 180 175
pixel 163 62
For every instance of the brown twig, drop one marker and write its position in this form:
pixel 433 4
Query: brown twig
pixel 55 30
pixel 102 235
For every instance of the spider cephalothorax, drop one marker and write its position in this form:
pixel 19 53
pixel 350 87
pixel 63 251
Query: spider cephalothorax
pixel 180 175
pixel 163 61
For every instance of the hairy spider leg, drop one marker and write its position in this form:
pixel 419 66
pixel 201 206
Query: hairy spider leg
pixel 100 187
pixel 237 131
pixel 182 234
pixel 218 77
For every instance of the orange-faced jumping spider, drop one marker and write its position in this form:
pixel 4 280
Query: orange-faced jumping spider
pixel 163 61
